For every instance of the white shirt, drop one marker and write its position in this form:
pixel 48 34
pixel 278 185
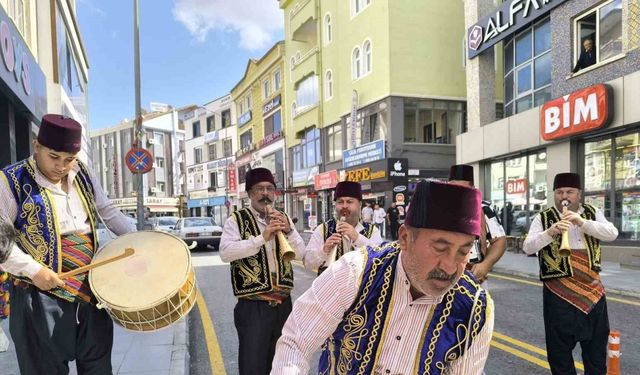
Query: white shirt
pixel 378 215
pixel 319 311
pixel 233 247
pixel 314 256
pixel 70 211
pixel 600 228
pixel 367 214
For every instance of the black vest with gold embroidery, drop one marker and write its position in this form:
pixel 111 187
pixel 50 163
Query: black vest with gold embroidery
pixel 552 265
pixel 251 275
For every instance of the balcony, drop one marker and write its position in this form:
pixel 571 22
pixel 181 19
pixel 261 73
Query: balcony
pixel 306 65
pixel 302 22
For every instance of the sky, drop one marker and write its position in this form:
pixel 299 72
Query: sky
pixel 191 51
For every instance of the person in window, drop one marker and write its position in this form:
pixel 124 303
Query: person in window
pixel 587 56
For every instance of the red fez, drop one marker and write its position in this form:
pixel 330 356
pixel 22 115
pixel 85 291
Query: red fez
pixel 257 175
pixel 461 172
pixel 60 133
pixel 348 189
pixel 567 180
pixel 443 206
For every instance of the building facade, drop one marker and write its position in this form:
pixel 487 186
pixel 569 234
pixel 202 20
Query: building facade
pixel 558 118
pixel 368 102
pixel 212 140
pixel 163 186
pixel 259 99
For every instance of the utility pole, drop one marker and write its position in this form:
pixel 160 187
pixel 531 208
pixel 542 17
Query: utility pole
pixel 138 124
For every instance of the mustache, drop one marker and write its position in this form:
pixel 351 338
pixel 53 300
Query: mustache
pixel 439 274
pixel 266 200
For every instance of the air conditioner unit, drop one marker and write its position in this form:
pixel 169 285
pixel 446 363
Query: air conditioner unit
pixel 155 190
pixel 151 141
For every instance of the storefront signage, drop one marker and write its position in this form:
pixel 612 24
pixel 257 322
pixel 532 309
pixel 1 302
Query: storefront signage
pixel 21 73
pixel 518 186
pixel 364 174
pixel 220 163
pixel 206 202
pixel 231 177
pixel 304 177
pixel 269 139
pixel 398 168
pixel 271 105
pixel 510 17
pixel 246 117
pixel 245 150
pixel 147 201
pixel 582 111
pixel 327 180
pixel 363 154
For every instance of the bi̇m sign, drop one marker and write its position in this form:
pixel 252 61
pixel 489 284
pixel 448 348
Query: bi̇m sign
pixel 579 112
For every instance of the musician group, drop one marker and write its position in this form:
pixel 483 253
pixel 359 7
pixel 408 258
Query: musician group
pixel 415 305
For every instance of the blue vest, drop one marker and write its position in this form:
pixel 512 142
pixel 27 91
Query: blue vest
pixel 36 221
pixel 356 343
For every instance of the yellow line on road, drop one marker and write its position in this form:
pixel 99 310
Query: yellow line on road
pixel 520 354
pixel 529 347
pixel 609 298
pixel 215 355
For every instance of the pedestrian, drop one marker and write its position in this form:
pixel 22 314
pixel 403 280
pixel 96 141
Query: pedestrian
pixel 406 308
pixel 574 302
pixel 261 278
pixel 393 215
pixel 492 243
pixel 335 237
pixel 379 216
pixel 367 214
pixel 54 202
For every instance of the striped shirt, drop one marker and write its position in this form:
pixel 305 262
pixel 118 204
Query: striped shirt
pixel 317 313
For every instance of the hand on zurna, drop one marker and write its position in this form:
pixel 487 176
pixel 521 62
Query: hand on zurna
pixel 348 230
pixel 573 218
pixel 8 235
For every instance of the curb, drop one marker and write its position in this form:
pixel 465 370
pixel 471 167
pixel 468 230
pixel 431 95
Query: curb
pixel 180 352
pixel 622 292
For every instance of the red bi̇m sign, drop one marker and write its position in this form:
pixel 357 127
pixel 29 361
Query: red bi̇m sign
pixel 517 186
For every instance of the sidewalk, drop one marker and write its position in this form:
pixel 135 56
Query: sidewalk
pixel 615 278
pixel 164 352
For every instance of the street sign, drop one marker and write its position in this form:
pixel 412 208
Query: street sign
pixel 139 160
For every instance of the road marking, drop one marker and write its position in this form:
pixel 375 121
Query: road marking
pixel 529 347
pixel 520 354
pixel 609 298
pixel 215 355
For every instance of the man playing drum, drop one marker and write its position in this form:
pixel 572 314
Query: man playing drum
pixel 54 202
pixel 261 278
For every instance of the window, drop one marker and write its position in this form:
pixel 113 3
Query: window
pixel 334 142
pixel 195 128
pixel 527 67
pixel 241 107
pixel 212 151
pixel 273 124
pixel 307 93
pixel 432 121
pixel 358 6
pixel 249 103
pixel 327 28
pixel 213 179
pixel 311 148
pixel 159 162
pixel 159 138
pixel 211 124
pixel 16 13
pixel 266 89
pixel 276 80
pixel 328 85
pixel 246 139
pixel 367 57
pixel 598 35
pixel 197 155
pixel 228 150
pixel 226 118
pixel 356 64
pixel 161 187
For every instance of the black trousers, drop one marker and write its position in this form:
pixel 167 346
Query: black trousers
pixel 394 226
pixel 565 326
pixel 48 332
pixel 259 327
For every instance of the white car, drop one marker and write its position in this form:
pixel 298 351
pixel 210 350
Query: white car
pixel 203 230
pixel 165 223
pixel 105 235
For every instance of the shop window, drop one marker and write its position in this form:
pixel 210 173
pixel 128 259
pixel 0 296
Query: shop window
pixel 598 35
pixel 527 68
pixel 432 121
pixel 246 139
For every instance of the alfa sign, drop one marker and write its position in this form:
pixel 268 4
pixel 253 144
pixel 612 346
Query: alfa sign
pixel 579 112
pixel 510 17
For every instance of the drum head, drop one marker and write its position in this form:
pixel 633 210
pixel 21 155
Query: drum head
pixel 159 267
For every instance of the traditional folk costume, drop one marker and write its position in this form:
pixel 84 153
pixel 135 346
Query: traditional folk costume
pixel 575 306
pixel 56 230
pixel 361 310
pixel 261 280
pixel 314 257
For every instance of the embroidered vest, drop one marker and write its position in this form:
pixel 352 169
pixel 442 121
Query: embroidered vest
pixel 36 221
pixel 329 228
pixel 552 265
pixel 250 275
pixel 356 343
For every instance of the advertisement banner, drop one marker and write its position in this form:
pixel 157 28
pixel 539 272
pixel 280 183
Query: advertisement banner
pixel 363 154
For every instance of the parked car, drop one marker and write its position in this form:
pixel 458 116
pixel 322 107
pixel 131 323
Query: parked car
pixel 105 235
pixel 165 223
pixel 203 230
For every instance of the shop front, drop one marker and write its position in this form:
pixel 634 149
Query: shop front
pixel 155 206
pixel 305 201
pixel 324 184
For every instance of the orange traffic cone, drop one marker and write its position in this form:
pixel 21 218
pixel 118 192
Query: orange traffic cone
pixel 613 353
